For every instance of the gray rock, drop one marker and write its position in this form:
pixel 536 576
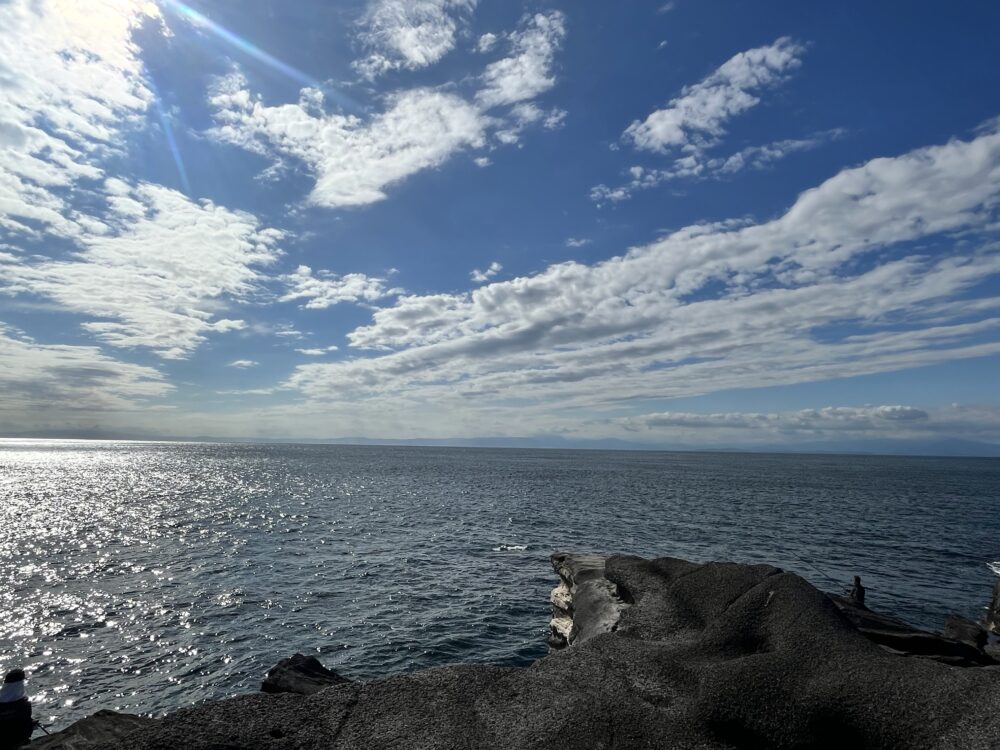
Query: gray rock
pixel 960 629
pixel 101 730
pixel 993 612
pixel 300 674
pixel 905 640
pixel 717 656
pixel 585 603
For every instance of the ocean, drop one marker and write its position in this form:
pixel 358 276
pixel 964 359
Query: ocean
pixel 143 577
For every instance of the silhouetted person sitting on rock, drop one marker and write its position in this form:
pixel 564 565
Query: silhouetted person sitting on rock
pixel 15 711
pixel 858 592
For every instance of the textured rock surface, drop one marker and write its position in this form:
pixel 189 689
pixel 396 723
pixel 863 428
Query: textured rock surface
pixel 969 632
pixel 993 613
pixel 957 645
pixel 706 656
pixel 585 603
pixel 101 730
pixel 300 674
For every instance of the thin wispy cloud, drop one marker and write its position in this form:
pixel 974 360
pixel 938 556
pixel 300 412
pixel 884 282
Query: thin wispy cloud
pixel 318 351
pixel 702 166
pixel 829 423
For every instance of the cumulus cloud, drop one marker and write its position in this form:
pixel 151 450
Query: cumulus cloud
pixel 697 117
pixel 527 72
pixel 409 34
pixel 354 160
pixel 155 272
pixel 325 289
pixel 718 306
pixel 481 276
pixel 487 42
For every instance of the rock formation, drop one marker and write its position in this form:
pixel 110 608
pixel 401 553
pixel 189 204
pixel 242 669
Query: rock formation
pixel 714 656
pixel 993 613
pixel 300 674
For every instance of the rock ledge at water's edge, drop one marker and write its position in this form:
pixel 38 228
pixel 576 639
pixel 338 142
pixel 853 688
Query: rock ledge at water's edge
pixel 646 654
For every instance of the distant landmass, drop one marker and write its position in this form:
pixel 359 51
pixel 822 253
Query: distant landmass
pixel 885 447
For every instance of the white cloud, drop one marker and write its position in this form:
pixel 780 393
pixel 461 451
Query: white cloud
pixel 697 165
pixel 527 72
pixel 243 364
pixel 354 160
pixel 60 382
pixel 487 42
pixel 828 419
pixel 71 79
pixel 325 289
pixel 696 118
pixel 895 422
pixel 482 161
pixel 716 306
pixel 577 242
pixel 158 271
pixel 410 34
pixel 318 351
pixel 480 276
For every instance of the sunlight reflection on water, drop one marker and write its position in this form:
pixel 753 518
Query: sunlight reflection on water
pixel 145 576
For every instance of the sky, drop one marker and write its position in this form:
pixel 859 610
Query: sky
pixel 697 224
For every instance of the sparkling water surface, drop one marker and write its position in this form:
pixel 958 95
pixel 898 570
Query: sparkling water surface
pixel 147 576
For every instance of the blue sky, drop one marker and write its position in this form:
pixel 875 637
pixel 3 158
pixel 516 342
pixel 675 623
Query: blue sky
pixel 680 223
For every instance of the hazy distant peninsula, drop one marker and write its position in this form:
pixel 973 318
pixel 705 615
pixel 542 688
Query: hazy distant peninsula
pixel 646 653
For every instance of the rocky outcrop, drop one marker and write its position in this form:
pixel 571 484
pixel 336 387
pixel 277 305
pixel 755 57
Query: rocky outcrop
pixel 715 656
pixel 585 603
pixel 300 674
pixel 958 644
pixel 993 612
pixel 103 729
pixel 971 633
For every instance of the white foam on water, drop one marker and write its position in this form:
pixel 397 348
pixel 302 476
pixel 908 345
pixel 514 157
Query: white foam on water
pixel 511 548
pixel 994 566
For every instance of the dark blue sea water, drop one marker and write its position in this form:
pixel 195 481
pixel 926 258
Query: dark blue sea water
pixel 144 577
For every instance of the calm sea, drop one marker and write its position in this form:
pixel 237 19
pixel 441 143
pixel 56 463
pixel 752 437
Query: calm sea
pixel 145 576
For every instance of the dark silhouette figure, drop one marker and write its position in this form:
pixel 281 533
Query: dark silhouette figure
pixel 858 592
pixel 15 712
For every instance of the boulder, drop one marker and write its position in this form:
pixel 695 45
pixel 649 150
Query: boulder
pixel 993 611
pixel 101 730
pixel 960 629
pixel 300 674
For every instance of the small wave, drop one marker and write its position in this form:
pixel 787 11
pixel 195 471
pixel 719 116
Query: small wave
pixel 511 548
pixel 994 566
